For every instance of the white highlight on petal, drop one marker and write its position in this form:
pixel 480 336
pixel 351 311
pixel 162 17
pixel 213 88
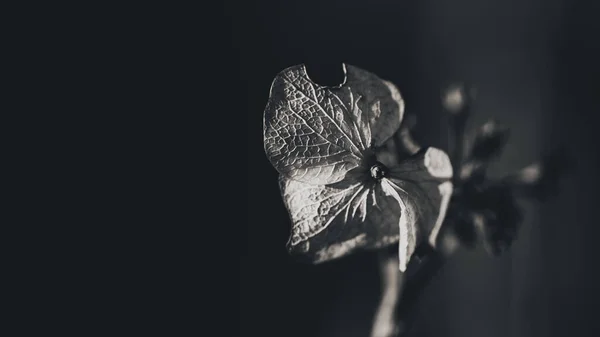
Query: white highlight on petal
pixel 397 97
pixel 337 250
pixel 403 242
pixel 446 193
pixel 437 163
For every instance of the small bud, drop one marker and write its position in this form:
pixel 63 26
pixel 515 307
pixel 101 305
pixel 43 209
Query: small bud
pixel 499 218
pixel 541 180
pixel 456 98
pixel 489 141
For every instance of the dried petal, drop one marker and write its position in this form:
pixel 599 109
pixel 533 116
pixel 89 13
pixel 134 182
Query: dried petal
pixel 424 191
pixel 328 223
pixel 316 134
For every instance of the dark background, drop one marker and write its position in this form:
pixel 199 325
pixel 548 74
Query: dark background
pixel 535 66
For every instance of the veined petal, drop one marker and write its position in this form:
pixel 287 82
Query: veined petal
pixel 407 223
pixel 312 208
pixel 407 208
pixel 382 105
pixel 316 134
pixel 328 223
pixel 423 189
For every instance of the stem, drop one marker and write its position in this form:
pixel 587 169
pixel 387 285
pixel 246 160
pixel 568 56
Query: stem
pixel 458 104
pixel 392 280
pixel 396 312
pixel 401 291
pixel 419 276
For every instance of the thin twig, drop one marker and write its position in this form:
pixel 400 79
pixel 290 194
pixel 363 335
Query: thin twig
pixel 456 101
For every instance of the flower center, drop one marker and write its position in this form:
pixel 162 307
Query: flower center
pixel 378 171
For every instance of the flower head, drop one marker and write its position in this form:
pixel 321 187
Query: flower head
pixel 343 191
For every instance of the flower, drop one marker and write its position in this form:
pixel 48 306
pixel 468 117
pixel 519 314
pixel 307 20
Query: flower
pixel 343 190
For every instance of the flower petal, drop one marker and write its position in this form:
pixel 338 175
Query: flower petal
pixel 328 223
pixel 312 208
pixel 423 189
pixel 316 134
pixel 384 106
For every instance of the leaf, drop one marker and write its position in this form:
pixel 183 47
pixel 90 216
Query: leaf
pixel 316 134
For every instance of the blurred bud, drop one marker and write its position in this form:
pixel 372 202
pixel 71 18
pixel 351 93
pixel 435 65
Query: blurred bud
pixel 448 241
pixel 456 98
pixel 459 224
pixel 472 171
pixel 497 218
pixel 489 141
pixel 530 174
pixel 540 180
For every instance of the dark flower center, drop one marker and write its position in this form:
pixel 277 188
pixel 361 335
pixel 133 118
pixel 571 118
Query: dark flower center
pixel 378 171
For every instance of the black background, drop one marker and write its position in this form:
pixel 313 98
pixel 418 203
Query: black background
pixel 134 175
pixel 535 66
